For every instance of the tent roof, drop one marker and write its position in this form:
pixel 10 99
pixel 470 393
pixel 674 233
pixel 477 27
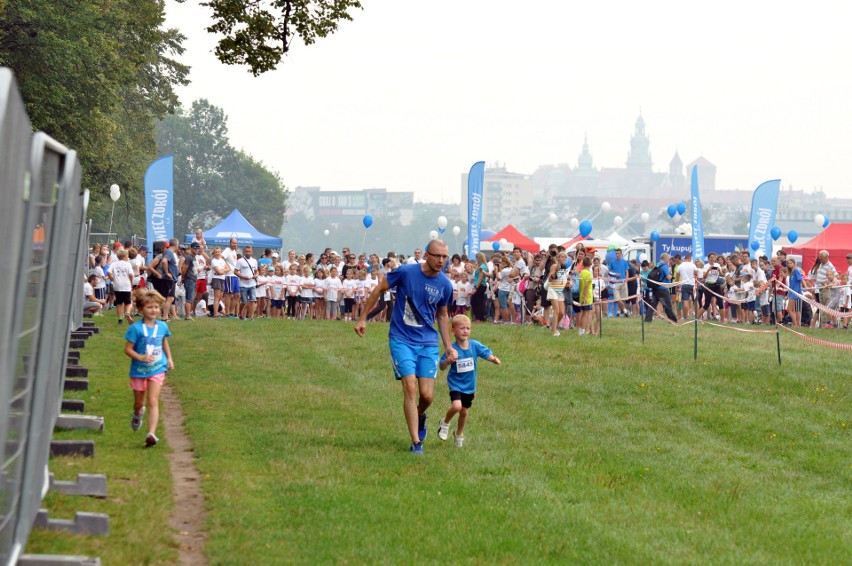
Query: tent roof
pixel 236 226
pixel 836 239
pixel 514 236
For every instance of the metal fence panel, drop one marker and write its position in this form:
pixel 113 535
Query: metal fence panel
pixel 15 137
pixel 42 222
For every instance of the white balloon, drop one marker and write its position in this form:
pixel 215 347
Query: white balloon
pixel 641 257
pixel 819 220
pixel 325 232
pixel 617 220
pixel 553 218
pixel 605 207
pixel 503 242
pixel 574 223
pixel 645 217
pixel 442 222
pixel 456 230
pixel 433 235
pixel 114 193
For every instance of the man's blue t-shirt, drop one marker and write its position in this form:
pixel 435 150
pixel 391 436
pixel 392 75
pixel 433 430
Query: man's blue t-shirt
pixel 417 299
pixel 618 269
pixel 170 256
pixel 148 340
pixel 665 273
pixel 462 374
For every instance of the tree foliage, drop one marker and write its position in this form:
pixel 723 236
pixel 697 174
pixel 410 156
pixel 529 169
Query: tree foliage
pixel 258 33
pixel 212 178
pixel 95 75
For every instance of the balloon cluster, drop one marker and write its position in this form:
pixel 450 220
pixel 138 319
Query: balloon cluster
pixel 822 220
pixel 675 209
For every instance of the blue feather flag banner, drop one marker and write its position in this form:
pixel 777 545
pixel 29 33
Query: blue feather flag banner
pixel 764 206
pixel 475 182
pixel 697 222
pixel 159 200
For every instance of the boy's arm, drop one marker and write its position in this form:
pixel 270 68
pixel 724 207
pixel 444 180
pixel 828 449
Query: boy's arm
pixel 445 363
pixel 493 359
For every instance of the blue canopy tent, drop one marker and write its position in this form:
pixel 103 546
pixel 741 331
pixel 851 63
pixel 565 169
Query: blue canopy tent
pixel 236 226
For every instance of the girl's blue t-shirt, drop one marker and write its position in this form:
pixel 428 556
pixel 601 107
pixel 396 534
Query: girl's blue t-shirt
pixel 146 340
pixel 417 299
pixel 462 374
pixel 796 281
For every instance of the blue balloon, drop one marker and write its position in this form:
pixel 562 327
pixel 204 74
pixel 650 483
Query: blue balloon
pixel 775 232
pixel 369 269
pixel 792 235
pixel 585 228
pixel 681 208
pixel 368 221
pixel 441 230
pixel 655 236
pixel 826 223
pixel 495 246
pixel 755 245
pixel 672 210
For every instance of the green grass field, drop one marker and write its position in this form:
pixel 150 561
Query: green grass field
pixel 578 450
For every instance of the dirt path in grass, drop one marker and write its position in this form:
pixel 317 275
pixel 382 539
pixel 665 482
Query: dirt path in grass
pixel 188 515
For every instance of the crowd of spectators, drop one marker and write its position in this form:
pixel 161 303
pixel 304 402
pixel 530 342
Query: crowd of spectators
pixel 555 288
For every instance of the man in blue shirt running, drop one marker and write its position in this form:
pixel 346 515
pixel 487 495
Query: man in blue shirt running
pixel 423 294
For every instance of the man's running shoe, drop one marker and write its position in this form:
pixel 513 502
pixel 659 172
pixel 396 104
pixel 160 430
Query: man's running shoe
pixel 416 448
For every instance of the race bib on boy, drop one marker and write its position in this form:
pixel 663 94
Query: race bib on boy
pixel 464 365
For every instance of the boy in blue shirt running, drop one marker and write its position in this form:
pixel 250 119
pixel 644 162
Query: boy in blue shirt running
pixel 462 376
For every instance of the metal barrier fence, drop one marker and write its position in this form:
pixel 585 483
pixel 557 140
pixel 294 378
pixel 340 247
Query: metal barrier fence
pixel 43 230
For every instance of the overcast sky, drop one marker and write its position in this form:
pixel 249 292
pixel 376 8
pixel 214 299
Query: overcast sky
pixel 409 94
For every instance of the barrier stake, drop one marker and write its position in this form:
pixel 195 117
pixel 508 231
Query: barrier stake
pixel 641 314
pixel 777 322
pixel 695 348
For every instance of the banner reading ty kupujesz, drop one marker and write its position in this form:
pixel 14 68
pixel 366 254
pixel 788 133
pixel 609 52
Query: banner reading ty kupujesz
pixel 764 205
pixel 159 198
pixel 475 180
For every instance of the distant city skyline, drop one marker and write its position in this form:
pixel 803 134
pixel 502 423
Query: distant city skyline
pixel 407 99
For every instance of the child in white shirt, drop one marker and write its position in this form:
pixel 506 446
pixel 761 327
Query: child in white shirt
pixel 333 286
pixel 306 285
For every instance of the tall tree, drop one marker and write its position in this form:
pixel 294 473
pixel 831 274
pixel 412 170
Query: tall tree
pixel 258 33
pixel 95 75
pixel 212 178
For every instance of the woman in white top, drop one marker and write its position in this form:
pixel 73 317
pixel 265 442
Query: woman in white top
pixel 219 267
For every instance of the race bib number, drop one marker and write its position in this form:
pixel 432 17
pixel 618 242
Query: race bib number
pixel 155 351
pixel 465 365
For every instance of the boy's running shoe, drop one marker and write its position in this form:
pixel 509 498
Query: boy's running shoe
pixel 459 440
pixel 443 430
pixel 152 440
pixel 416 448
pixel 136 420
pixel 421 431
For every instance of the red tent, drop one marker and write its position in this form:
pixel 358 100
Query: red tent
pixel 514 237
pixel 836 239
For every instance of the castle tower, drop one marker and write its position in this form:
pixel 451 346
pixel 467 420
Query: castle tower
pixel 585 163
pixel 676 175
pixel 639 157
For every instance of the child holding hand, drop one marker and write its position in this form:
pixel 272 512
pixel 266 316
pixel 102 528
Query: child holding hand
pixel 461 378
pixel 148 348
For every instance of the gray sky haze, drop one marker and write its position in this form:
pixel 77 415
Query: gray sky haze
pixel 409 94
